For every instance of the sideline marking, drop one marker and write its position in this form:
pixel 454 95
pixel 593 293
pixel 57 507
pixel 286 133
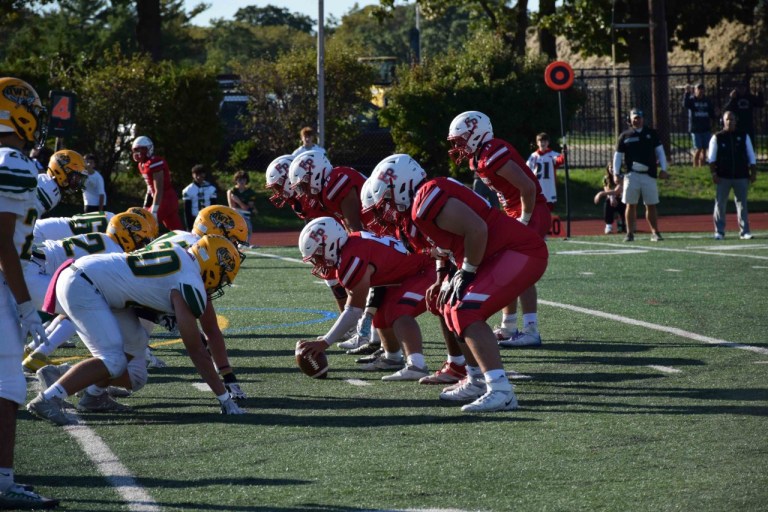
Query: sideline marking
pixel 110 467
pixel 672 270
pixel 668 249
pixel 656 327
pixel 202 386
pixel 664 369
pixel 357 382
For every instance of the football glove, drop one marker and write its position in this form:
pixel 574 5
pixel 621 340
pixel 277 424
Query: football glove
pixel 229 406
pixel 459 283
pixel 235 391
pixel 445 292
pixel 31 323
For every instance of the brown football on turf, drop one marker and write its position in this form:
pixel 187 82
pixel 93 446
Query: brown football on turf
pixel 315 367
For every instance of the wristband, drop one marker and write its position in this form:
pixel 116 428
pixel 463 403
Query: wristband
pixel 468 267
pixel 441 267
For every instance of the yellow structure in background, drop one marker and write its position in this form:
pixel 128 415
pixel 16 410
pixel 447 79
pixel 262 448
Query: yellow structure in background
pixel 385 77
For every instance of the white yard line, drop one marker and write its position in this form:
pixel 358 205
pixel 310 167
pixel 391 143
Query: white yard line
pixel 656 327
pixel 664 369
pixel 136 497
pixel 633 247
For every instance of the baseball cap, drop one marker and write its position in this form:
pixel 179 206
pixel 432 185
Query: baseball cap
pixel 635 112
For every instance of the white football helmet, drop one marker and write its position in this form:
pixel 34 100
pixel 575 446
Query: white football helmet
pixel 468 131
pixel 143 142
pixel 394 182
pixel 308 172
pixel 373 223
pixel 277 180
pixel 320 243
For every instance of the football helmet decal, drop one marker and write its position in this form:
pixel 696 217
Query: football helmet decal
pixel 277 180
pixel 22 112
pixel 67 167
pixel 130 230
pixel 308 172
pixel 320 243
pixel 394 182
pixel 223 221
pixel 219 263
pixel 468 131
pixel 154 228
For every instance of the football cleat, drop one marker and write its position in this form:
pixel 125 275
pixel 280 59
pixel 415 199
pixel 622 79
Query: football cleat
pixel 235 391
pixel 408 373
pixel 18 497
pixel 100 403
pixel 448 374
pixel 49 410
pixel 463 391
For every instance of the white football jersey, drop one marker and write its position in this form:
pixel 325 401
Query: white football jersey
pixel 18 186
pixel 56 228
pixel 56 252
pixel 544 167
pixel 184 239
pixel 145 278
pixel 48 193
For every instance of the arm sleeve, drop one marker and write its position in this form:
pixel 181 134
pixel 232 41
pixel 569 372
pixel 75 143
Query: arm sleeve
pixel 750 152
pixel 347 320
pixel 712 151
pixel 661 157
pixel 617 158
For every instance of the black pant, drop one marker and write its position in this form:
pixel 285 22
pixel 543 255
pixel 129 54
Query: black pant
pixel 91 208
pixel 611 211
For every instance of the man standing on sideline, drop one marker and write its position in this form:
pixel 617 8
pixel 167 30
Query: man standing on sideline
pixel 641 148
pixel 197 195
pixel 94 195
pixel 732 162
pixel 22 124
pixel 161 198
pixel 743 103
pixel 701 113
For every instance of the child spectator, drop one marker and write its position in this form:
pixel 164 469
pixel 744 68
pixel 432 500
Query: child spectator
pixel 197 195
pixel 308 141
pixel 543 162
pixel 612 205
pixel 243 199
pixel 94 196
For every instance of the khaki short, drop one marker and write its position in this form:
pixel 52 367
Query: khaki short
pixel 638 184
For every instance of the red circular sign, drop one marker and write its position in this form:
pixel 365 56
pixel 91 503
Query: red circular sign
pixel 558 76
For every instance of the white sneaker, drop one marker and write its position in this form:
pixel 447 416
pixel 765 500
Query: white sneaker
pixel 407 373
pixel 384 363
pixel 154 362
pixel 353 342
pixel 465 391
pixel 746 236
pixel 502 333
pixel 526 338
pixel 719 236
pixel 608 229
pixel 493 400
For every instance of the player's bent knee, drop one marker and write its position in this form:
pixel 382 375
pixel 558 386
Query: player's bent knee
pixel 115 363
pixel 137 373
pixel 13 385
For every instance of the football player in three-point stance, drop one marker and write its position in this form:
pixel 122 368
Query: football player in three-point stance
pixel 65 174
pixel 226 222
pixel 125 232
pixel 22 124
pixel 94 291
pixel 362 260
pixel 496 256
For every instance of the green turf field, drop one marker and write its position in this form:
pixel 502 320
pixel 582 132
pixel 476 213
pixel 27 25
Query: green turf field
pixel 649 394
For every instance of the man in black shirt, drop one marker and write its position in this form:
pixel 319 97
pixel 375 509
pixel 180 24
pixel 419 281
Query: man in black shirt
pixel 641 148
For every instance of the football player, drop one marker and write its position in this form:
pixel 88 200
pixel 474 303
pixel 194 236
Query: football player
pixel 305 207
pixel 226 222
pixel 161 197
pixel 22 123
pixel 362 260
pixel 56 228
pixel 66 174
pixel 125 232
pixel 94 291
pixel 496 256
pixel 505 172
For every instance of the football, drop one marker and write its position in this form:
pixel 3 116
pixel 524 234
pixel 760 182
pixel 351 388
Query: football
pixel 315 367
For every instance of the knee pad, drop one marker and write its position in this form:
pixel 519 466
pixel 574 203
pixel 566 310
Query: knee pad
pixel 137 373
pixel 115 363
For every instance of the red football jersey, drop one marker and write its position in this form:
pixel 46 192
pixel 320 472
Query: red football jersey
pixel 341 182
pixel 491 157
pixel 150 167
pixel 307 208
pixel 388 255
pixel 503 232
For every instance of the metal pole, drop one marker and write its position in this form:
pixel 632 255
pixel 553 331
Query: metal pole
pixel 320 74
pixel 567 175
pixel 616 105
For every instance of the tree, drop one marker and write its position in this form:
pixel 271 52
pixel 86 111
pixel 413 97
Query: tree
pixel 271 16
pixel 484 76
